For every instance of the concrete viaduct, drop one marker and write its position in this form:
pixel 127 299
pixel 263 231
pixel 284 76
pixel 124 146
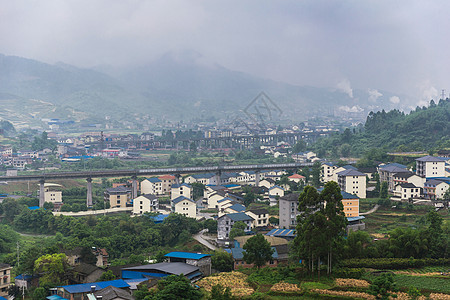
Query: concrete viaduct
pixel 88 175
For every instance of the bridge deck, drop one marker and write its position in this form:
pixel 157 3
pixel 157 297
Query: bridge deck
pixel 154 171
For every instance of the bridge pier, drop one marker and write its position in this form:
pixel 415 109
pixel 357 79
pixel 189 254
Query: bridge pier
pixel 134 188
pixel 89 192
pixel 41 193
pixel 218 176
pixel 257 177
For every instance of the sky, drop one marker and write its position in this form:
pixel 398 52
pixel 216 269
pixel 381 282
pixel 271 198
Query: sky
pixel 398 46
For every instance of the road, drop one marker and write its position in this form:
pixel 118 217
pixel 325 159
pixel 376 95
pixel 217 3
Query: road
pixel 199 238
pixel 374 209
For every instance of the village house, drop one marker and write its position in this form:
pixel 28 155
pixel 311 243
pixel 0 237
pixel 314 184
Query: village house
pixel 408 177
pixel 52 193
pixel 184 206
pixel 351 204
pixel 226 222
pixel 276 191
pixel 430 167
pixel 435 189
pixel 151 186
pixel 5 279
pixel 407 191
pixel 353 182
pixel 208 178
pixel 327 172
pixel 267 183
pixel 145 203
pixel 183 189
pixel 297 178
pixel 260 217
pixel 388 171
pixel 288 210
pixel 166 183
pixel 202 261
pixel 118 197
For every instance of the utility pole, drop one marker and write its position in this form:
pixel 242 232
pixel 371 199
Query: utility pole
pixel 18 256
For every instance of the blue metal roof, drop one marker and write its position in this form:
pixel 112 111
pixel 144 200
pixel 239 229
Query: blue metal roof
pixel 186 255
pixel 282 232
pixel 33 207
pixel 55 297
pixel 86 287
pixel 351 219
pixel 23 277
pixel 159 218
pixel 3 298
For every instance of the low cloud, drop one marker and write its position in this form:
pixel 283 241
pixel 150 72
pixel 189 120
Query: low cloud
pixel 394 99
pixel 353 109
pixel 374 95
pixel 345 87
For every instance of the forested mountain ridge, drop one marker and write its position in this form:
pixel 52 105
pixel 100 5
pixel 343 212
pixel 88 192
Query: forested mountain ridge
pixel 424 129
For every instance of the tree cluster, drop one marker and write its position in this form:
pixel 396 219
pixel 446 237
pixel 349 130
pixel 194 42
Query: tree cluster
pixel 321 225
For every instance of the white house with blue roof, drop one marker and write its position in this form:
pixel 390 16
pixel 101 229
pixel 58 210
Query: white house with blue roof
pixel 151 186
pixel 184 206
pixel 178 190
pixel 430 167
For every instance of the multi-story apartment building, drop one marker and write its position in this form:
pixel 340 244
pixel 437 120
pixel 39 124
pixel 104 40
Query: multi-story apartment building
pixel 288 210
pixel 5 279
pixel 430 167
pixel 353 182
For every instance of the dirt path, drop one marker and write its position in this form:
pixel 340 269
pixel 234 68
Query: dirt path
pixel 374 209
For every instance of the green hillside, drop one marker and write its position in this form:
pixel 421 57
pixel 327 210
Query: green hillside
pixel 425 129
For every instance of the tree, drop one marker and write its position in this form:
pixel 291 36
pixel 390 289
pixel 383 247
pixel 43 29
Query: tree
pixel 218 292
pixel 108 275
pixel 222 261
pixel 197 190
pixel 316 173
pixel 384 190
pixel 238 229
pixel 52 268
pixel 336 221
pixel 211 225
pixel 381 286
pixel 257 250
pixel 176 287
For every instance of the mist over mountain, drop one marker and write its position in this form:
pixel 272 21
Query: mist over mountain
pixel 177 86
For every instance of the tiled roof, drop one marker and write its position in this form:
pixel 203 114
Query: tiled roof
pixel 119 189
pixel 297 176
pixel 237 207
pixel 153 180
pixel 429 158
pixel 258 212
pixel 276 186
pixel 350 172
pixel 181 198
pixel 175 268
pixel 175 186
pixel 240 216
